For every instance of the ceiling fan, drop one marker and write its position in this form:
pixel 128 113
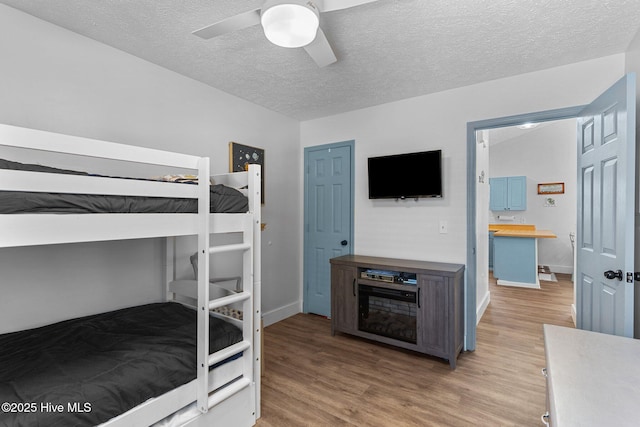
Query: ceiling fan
pixel 287 23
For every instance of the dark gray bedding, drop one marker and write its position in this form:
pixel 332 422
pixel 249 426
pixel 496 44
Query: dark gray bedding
pixel 223 199
pixel 85 371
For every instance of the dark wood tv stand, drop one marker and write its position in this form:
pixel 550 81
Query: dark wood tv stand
pixel 439 301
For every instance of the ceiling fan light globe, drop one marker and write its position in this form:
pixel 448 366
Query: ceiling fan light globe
pixel 290 25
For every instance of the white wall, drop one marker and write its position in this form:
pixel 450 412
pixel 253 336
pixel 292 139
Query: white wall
pixel 545 154
pixel 408 229
pixel 56 80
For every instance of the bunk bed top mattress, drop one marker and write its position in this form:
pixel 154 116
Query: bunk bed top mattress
pixel 105 364
pixel 223 199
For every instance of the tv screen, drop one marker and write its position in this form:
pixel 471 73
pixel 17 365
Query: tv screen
pixel 402 176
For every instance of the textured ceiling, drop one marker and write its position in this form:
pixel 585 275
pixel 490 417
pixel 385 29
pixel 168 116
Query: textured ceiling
pixel 387 50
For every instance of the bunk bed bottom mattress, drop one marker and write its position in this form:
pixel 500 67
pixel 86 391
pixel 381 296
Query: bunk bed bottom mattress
pixel 88 370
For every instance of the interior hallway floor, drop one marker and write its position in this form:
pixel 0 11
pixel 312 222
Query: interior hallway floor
pixel 314 379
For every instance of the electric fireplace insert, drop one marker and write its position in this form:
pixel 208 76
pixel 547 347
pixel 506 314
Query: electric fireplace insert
pixel 388 312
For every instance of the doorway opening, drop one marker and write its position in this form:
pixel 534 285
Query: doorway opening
pixel 543 155
pixel 474 175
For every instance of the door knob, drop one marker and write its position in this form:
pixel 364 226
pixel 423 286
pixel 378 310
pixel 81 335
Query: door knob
pixel 344 243
pixel 610 274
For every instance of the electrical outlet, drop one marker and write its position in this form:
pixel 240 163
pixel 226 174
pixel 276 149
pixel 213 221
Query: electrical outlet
pixel 443 228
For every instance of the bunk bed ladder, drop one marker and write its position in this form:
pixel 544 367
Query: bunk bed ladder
pixel 245 296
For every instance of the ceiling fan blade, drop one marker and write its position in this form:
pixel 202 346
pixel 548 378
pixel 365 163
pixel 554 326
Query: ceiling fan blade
pixel 237 22
pixel 330 5
pixel 320 50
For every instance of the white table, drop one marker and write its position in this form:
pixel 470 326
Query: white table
pixel 593 378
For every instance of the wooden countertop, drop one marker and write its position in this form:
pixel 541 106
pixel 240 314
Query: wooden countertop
pixel 593 378
pixel 537 234
pixel 498 227
pixel 520 230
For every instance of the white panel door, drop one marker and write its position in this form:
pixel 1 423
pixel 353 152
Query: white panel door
pixel 606 197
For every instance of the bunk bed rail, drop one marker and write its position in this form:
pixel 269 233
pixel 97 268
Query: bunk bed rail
pixel 27 229
pixel 20 180
pixel 14 136
pixel 17 180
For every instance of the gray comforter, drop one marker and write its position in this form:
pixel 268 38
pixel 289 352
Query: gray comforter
pixel 223 199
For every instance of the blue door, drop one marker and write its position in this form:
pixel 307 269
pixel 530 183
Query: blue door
pixel 606 203
pixel 328 222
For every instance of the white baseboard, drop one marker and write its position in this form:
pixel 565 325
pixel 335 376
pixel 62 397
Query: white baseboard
pixel 565 269
pixel 274 316
pixel 519 284
pixel 482 307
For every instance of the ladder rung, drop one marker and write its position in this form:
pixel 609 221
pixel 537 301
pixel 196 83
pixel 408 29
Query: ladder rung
pixel 221 355
pixel 229 248
pixel 221 302
pixel 228 391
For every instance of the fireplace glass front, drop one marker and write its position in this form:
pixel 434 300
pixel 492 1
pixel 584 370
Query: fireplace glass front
pixel 388 312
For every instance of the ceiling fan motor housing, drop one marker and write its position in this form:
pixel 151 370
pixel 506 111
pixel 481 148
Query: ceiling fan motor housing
pixel 290 23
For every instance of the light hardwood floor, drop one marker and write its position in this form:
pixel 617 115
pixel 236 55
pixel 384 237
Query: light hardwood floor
pixel 314 379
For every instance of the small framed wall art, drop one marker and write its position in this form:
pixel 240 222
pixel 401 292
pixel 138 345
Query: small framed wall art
pixel 241 156
pixel 551 188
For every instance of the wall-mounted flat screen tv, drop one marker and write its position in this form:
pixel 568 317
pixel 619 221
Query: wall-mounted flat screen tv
pixel 403 176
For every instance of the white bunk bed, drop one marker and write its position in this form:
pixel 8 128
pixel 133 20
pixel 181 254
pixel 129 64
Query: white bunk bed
pixel 228 394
